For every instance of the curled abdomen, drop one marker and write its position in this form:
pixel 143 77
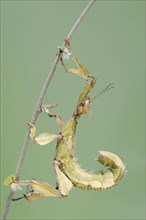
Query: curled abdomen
pixel 100 181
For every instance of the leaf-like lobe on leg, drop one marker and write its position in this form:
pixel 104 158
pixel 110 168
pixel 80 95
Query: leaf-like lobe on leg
pixel 64 183
pixel 45 138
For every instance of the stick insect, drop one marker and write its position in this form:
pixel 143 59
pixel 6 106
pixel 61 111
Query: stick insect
pixel 69 173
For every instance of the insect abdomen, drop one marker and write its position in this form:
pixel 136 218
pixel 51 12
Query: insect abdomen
pixel 100 181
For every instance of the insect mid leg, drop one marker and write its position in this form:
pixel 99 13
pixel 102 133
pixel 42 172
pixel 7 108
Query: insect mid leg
pixel 45 109
pixel 42 139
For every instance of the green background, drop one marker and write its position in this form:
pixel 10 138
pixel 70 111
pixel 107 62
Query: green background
pixel 110 42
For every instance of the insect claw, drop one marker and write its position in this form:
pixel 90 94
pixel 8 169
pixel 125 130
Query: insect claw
pixel 67 40
pixel 30 124
pixel 57 187
pixel 65 54
pixel 19 198
pixel 63 196
pixel 56 162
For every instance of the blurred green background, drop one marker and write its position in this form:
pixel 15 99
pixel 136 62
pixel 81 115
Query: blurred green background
pixel 110 42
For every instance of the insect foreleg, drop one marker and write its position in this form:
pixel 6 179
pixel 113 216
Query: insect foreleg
pixel 84 102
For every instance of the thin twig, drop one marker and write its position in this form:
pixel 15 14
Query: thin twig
pixel 38 106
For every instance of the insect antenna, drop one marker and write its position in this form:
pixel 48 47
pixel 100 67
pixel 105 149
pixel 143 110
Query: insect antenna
pixel 110 86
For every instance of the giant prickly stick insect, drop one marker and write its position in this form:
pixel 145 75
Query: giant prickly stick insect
pixel 69 173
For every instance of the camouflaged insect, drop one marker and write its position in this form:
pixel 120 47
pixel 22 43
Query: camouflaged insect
pixel 69 173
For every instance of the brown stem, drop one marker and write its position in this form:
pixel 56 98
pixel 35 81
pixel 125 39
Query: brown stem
pixel 38 106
